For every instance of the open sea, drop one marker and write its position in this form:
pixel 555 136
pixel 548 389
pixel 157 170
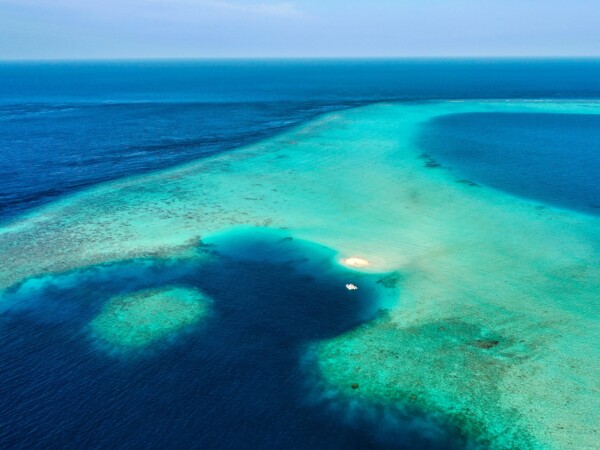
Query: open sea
pixel 240 379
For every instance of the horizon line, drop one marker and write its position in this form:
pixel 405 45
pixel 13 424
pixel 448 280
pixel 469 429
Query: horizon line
pixel 298 58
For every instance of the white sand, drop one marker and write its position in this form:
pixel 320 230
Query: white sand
pixel 355 262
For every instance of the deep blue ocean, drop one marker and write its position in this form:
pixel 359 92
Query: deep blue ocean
pixel 238 382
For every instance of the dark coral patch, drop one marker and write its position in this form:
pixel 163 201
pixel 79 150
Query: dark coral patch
pixel 429 161
pixel 391 280
pixel 485 343
pixel 468 183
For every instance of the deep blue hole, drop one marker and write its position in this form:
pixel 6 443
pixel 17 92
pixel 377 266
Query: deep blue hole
pixel 235 382
pixel 552 158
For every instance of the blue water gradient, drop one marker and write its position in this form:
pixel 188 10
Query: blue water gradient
pixel 65 126
pixel 552 158
pixel 237 380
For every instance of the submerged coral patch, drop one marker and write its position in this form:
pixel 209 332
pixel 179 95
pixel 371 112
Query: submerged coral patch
pixel 136 320
pixel 436 368
pixel 391 280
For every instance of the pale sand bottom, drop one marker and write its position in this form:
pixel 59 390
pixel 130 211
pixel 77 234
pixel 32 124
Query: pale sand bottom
pixel 475 266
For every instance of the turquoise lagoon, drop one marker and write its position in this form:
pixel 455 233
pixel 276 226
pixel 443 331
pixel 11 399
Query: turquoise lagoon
pixel 491 325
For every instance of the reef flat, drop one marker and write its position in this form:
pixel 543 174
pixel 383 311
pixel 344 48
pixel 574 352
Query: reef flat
pixel 136 320
pixel 497 325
